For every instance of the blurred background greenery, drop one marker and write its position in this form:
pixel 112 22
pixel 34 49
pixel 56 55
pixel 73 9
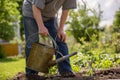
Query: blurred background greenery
pixel 98 47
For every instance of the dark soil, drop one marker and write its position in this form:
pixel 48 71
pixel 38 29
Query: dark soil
pixel 107 74
pixel 113 73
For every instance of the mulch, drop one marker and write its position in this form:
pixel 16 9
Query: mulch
pixel 106 74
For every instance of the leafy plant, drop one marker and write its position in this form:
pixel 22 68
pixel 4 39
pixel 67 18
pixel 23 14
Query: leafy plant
pixel 84 25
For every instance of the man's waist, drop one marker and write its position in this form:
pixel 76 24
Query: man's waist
pixel 45 19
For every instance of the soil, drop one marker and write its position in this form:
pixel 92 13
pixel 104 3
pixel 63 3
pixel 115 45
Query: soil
pixel 106 74
pixel 112 74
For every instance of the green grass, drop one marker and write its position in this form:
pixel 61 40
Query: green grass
pixel 9 67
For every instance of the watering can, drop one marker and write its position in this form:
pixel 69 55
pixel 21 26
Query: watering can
pixel 41 57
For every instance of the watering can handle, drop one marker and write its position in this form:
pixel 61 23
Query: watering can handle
pixel 56 47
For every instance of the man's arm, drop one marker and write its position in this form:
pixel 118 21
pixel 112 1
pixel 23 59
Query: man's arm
pixel 37 15
pixel 61 32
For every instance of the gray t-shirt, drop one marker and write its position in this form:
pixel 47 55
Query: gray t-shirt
pixel 48 7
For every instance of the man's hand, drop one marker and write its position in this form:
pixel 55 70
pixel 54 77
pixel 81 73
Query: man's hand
pixel 43 31
pixel 62 34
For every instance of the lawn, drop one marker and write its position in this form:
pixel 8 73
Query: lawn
pixel 11 66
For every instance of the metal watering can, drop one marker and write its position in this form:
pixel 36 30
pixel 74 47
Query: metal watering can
pixel 41 57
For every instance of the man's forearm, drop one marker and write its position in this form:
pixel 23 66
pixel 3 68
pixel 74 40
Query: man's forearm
pixel 37 16
pixel 63 18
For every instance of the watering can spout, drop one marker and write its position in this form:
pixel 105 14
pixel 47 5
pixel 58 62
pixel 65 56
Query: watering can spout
pixel 53 62
pixel 65 57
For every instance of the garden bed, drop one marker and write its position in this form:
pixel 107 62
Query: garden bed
pixel 112 73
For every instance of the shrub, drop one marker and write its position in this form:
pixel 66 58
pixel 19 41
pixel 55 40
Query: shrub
pixel 2 55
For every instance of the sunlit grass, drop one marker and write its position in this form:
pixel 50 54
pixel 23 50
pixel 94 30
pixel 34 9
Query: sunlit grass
pixel 10 67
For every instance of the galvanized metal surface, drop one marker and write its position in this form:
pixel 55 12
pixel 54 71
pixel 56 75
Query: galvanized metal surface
pixel 40 56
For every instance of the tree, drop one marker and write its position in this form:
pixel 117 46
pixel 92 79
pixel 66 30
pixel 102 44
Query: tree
pixel 116 22
pixel 84 22
pixel 9 15
pixel 21 18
